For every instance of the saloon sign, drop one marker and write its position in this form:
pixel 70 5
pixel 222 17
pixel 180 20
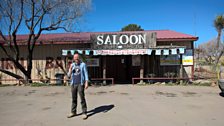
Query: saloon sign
pixel 123 41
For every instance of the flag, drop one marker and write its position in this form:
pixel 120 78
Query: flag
pixel 166 52
pixel 158 52
pixel 87 52
pixel 64 52
pixel 174 51
pixel 181 50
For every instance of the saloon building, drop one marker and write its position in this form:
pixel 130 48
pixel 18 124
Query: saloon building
pixel 123 56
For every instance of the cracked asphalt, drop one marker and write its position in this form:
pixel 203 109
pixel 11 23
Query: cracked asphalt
pixel 119 105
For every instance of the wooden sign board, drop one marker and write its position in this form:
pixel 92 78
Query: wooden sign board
pixel 123 41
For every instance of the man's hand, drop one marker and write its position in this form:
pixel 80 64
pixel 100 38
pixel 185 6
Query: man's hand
pixel 86 85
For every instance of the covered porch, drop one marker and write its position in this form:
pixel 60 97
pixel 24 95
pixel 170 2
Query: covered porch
pixel 133 65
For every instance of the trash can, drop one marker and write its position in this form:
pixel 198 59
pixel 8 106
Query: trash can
pixel 59 78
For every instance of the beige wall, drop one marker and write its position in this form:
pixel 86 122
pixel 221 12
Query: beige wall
pixel 42 68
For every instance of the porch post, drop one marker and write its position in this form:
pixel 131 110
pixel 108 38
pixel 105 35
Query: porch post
pixel 104 69
pixel 142 68
pixel 181 68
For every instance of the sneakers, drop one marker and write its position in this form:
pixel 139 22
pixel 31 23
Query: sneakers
pixel 71 115
pixel 84 116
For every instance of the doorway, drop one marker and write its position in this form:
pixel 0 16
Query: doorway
pixel 119 68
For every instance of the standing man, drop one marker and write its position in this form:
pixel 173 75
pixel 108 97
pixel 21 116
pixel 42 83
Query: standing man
pixel 79 82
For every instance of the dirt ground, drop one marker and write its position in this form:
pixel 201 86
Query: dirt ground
pixel 120 105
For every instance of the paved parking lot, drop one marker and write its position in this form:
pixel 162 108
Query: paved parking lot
pixel 119 105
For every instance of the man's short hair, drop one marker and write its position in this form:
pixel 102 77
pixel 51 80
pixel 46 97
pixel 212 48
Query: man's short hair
pixel 76 53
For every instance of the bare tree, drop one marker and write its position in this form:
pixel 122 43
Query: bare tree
pixel 35 16
pixel 209 51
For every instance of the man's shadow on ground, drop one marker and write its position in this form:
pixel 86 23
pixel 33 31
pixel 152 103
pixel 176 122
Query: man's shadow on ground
pixel 221 94
pixel 103 108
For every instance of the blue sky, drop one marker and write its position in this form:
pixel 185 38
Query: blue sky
pixel 193 17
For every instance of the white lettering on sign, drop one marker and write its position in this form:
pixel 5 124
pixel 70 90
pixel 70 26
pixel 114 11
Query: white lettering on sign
pixel 132 38
pixel 107 41
pixel 124 39
pixel 100 40
pixel 121 39
pixel 142 38
pixel 114 40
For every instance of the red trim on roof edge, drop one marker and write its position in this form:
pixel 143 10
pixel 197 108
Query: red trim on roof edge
pixel 84 37
pixel 176 39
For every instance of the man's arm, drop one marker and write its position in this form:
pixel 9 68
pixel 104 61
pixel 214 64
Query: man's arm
pixel 70 71
pixel 86 76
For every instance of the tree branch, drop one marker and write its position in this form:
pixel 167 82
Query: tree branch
pixel 62 68
pixel 3 37
pixel 13 75
pixel 4 50
pixel 31 27
pixel 10 15
pixel 15 31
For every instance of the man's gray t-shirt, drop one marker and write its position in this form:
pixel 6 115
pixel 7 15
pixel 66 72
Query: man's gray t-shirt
pixel 76 71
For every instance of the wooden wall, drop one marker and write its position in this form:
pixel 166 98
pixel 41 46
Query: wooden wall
pixel 44 61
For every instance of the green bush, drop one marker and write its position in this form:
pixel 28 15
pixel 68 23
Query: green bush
pixel 37 84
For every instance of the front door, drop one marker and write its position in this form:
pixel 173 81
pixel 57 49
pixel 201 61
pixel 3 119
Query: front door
pixel 118 67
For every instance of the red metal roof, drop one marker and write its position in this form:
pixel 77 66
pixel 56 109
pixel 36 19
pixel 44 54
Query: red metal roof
pixel 168 35
pixel 84 37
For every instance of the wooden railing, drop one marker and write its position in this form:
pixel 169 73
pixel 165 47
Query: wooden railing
pixel 49 80
pixel 112 79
